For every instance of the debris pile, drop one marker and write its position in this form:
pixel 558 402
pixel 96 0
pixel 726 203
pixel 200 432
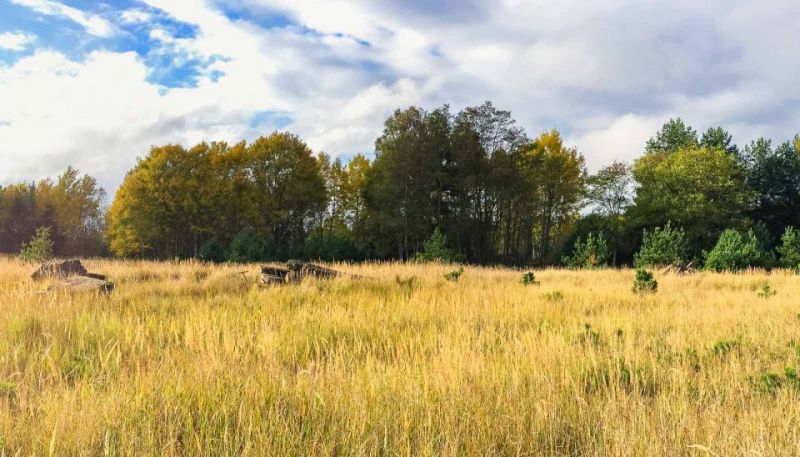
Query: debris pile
pixel 679 269
pixel 59 269
pixel 72 276
pixel 83 283
pixel 295 272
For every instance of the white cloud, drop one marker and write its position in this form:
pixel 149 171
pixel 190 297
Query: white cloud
pixel 94 25
pixel 607 73
pixel 161 35
pixel 16 41
pixel 617 139
pixel 135 16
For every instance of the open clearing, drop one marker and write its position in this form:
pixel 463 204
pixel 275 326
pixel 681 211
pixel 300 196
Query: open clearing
pixel 186 359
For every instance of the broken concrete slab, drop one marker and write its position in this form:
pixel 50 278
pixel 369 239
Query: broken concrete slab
pixel 295 271
pixel 82 284
pixel 72 275
pixel 59 269
pixel 310 269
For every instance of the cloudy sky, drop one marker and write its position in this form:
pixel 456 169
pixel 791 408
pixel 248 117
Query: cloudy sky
pixel 94 84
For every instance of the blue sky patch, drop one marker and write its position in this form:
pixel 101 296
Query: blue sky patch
pixel 275 120
pixel 266 19
pixel 169 66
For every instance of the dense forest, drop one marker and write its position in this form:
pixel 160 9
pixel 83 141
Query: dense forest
pixel 474 181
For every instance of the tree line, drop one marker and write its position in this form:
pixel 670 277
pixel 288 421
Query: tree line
pixel 498 196
pixel 71 206
pixel 472 180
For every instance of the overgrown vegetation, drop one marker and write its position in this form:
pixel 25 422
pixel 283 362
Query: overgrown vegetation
pixel 766 291
pixel 185 359
pixel 454 275
pixel 735 251
pixel 789 249
pixel 436 250
pixel 644 282
pixel 529 279
pixel 592 253
pixel 39 248
pixel 71 206
pixel 663 246
pixel 473 178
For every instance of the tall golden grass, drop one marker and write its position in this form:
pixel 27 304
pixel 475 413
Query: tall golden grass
pixel 188 359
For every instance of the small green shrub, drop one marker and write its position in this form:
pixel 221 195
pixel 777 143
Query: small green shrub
pixel 644 282
pixel 593 253
pixel 39 249
pixel 766 291
pixel 436 250
pixel 735 252
pixel 770 383
pixel 791 374
pixel 723 347
pixel 789 249
pixel 663 246
pixel 529 279
pixel 454 275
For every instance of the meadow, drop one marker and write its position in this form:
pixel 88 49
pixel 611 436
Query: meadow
pixel 191 359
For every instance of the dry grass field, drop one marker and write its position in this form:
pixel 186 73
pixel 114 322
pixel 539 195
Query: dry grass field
pixel 187 359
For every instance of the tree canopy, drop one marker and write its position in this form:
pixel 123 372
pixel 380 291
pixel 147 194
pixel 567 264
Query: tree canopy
pixel 473 181
pixel 700 189
pixel 71 206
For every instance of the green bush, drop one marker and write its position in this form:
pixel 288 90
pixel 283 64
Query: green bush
pixel 789 249
pixel 735 252
pixel 644 282
pixel 436 250
pixel 593 253
pixel 454 275
pixel 529 279
pixel 766 291
pixel 247 246
pixel 662 247
pixel 39 248
pixel 212 251
pixel 770 382
pixel 723 347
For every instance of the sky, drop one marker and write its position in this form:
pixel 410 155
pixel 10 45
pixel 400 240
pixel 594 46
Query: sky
pixel 94 84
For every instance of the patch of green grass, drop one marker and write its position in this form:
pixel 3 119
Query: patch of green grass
pixel 771 382
pixel 454 275
pixel 723 347
pixel 766 291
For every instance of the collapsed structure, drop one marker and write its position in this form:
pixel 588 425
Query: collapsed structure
pixel 294 272
pixel 71 275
